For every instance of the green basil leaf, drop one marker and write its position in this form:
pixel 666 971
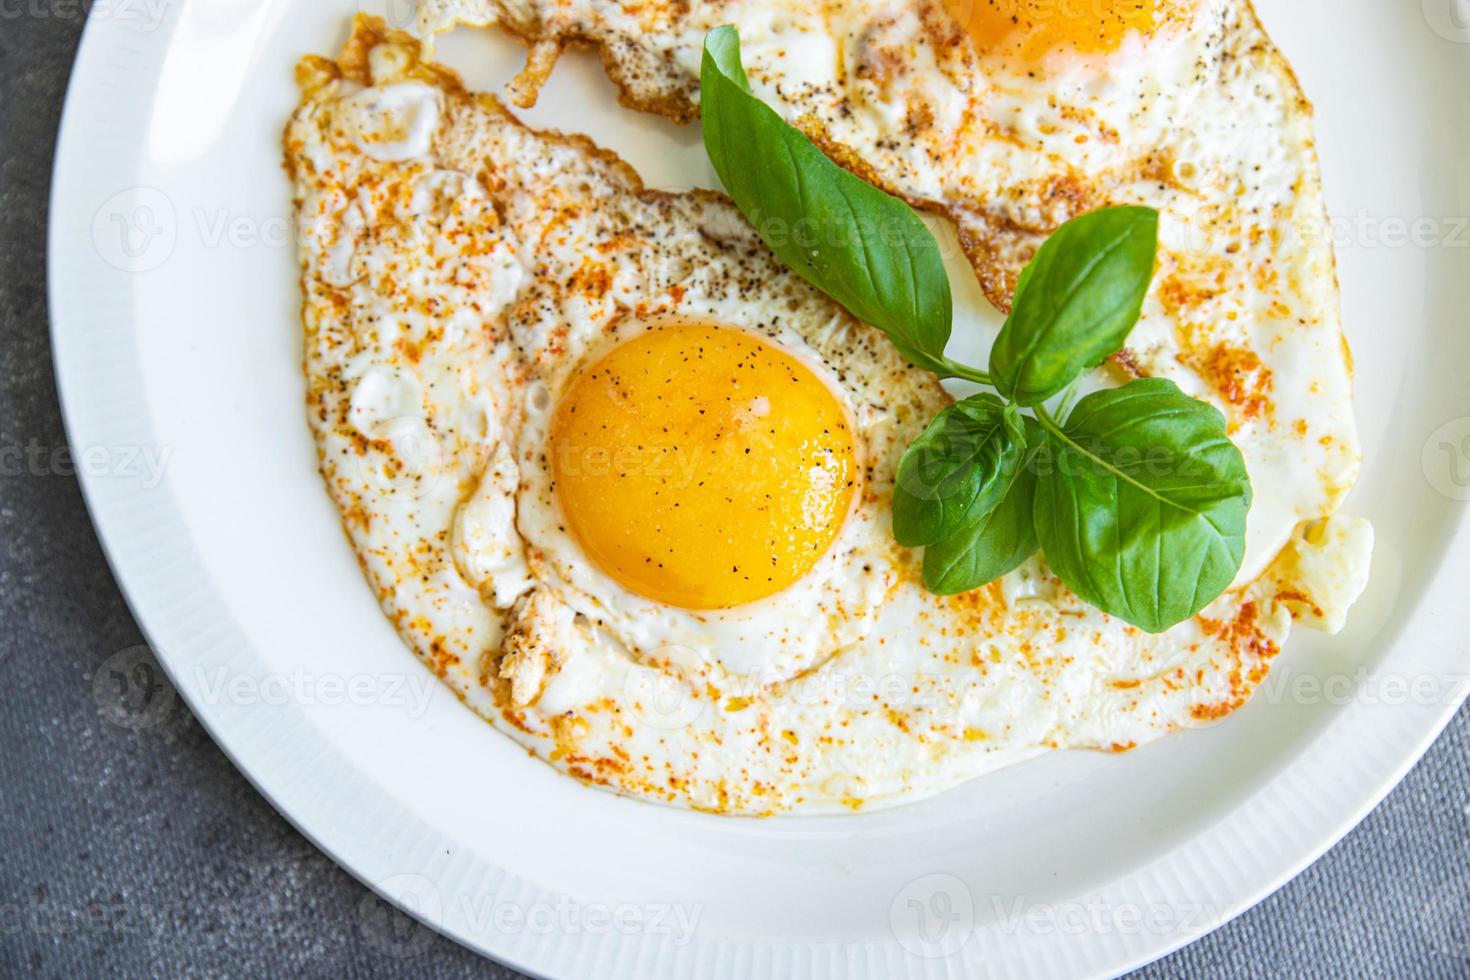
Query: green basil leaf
pixel 998 544
pixel 866 249
pixel 958 471
pixel 1141 507
pixel 1076 302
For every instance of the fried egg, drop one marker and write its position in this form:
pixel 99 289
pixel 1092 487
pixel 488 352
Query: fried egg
pixel 623 481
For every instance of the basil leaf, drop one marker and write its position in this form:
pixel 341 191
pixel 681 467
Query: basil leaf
pixel 958 471
pixel 998 544
pixel 1141 508
pixel 1075 302
pixel 866 249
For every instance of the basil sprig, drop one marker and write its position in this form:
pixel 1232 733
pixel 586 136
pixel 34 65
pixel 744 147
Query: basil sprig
pixel 1137 497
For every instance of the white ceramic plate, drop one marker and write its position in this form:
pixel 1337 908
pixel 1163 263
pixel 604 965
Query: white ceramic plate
pixel 177 342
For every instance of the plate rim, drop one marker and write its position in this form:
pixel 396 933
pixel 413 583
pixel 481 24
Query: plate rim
pixel 296 784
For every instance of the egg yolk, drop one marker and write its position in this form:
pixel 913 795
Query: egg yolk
pixel 702 466
pixel 1029 29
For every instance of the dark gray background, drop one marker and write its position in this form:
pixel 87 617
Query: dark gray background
pixel 143 852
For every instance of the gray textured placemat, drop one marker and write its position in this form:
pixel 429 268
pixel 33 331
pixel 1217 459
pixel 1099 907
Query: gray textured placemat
pixel 143 852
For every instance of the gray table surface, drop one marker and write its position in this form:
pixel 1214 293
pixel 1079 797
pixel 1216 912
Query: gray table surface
pixel 138 853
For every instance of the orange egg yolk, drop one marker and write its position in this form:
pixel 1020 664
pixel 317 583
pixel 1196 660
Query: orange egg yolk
pixel 1030 29
pixel 701 466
